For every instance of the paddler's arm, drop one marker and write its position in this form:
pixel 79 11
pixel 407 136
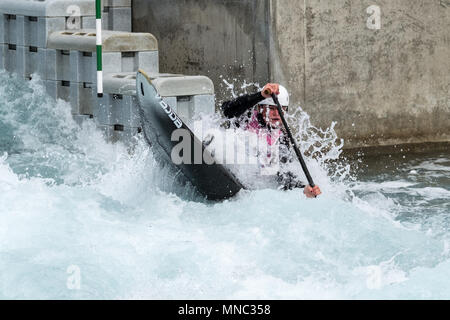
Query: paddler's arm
pixel 237 107
pixel 289 181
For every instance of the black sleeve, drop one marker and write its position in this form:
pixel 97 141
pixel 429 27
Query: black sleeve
pixel 289 181
pixel 239 106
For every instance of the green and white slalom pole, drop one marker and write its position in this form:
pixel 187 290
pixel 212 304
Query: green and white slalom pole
pixel 98 23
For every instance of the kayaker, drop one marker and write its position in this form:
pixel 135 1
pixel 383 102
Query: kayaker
pixel 258 113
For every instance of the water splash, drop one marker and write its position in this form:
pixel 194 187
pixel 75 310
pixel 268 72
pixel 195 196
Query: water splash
pixel 107 212
pixel 322 147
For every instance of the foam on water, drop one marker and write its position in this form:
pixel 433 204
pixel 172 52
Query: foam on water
pixel 68 198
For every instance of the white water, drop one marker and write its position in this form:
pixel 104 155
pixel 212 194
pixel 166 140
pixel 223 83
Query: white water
pixel 68 198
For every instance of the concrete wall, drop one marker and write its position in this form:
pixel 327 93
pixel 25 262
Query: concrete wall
pixel 383 86
pixel 216 38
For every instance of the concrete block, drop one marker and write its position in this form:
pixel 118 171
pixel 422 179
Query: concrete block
pixel 2 55
pixel 9 25
pixel 63 90
pixel 83 67
pixel 112 62
pixel 46 26
pixel 89 23
pixel 205 104
pixel 116 3
pixel 58 89
pixel 78 23
pixel 182 106
pixel 120 109
pixel 14 29
pixel 58 65
pixel 34 61
pixel 187 95
pixel 114 109
pixel 48 8
pixel 51 88
pixel 18 34
pixel 15 59
pixel 124 110
pixel 106 25
pixel 3 28
pixel 50 64
pixel 63 65
pixel 120 83
pixel 102 109
pixel 19 19
pixel 175 86
pixel 86 22
pixel 117 18
pixel 129 62
pixel 81 98
pixel 185 108
pixel 74 67
pixel 31 27
pixel 113 41
pixel 148 61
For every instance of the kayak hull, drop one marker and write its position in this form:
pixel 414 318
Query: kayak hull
pixel 159 123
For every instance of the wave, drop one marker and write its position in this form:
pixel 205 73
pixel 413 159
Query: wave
pixel 72 201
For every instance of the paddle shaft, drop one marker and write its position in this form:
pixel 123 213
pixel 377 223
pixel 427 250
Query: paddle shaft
pixel 294 143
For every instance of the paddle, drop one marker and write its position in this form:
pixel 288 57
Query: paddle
pixel 296 149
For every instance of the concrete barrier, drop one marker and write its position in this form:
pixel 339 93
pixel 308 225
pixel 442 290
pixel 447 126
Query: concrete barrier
pixel 187 95
pixel 117 18
pixel 380 69
pixel 59 90
pixel 116 15
pixel 112 41
pixel 81 99
pixel 47 38
pixel 28 22
pixel 33 57
pixel 48 8
pixel 71 59
pixel 122 52
pixel 3 51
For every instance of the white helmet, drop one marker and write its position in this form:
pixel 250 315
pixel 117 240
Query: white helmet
pixel 283 98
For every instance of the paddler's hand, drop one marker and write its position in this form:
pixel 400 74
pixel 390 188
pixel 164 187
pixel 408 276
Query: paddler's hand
pixel 312 192
pixel 269 89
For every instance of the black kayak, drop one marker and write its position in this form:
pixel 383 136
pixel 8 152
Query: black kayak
pixel 159 121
